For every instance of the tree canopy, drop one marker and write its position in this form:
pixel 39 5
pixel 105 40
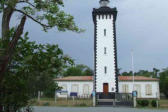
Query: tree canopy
pixel 145 73
pixel 33 68
pixel 47 13
pixel 164 82
pixel 79 70
pixel 27 67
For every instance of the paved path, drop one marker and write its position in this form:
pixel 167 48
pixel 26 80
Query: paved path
pixel 93 109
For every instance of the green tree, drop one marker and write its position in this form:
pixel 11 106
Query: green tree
pixel 33 68
pixel 127 73
pixel 79 70
pixel 145 73
pixel 164 81
pixel 155 72
pixel 46 13
pixel 88 72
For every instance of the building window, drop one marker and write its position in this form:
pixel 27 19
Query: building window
pixel 105 50
pixel 74 88
pixel 104 32
pixel 105 70
pixel 86 89
pixel 148 89
pixel 125 88
pixel 64 87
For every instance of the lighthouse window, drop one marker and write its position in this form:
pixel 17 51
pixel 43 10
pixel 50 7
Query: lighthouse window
pixel 105 50
pixel 104 32
pixel 105 69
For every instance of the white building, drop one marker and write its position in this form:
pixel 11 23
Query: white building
pixel 146 87
pixel 83 85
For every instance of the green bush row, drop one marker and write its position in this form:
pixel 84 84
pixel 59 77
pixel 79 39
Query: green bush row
pixel 145 103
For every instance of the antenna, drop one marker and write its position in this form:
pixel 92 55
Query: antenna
pixel 132 61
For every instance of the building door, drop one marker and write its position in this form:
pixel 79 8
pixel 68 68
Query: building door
pixel 105 88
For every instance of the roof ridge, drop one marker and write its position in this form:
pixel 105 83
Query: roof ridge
pixel 121 78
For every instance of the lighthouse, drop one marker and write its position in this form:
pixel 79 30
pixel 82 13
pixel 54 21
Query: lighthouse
pixel 105 50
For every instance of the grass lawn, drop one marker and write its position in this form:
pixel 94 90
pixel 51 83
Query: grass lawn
pixel 163 103
pixel 62 102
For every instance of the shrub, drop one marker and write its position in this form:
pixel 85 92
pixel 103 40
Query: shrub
pixel 154 103
pixel 139 102
pixel 143 103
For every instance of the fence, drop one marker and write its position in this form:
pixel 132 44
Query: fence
pixel 115 99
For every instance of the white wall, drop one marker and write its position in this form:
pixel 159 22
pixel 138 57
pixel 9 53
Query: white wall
pixel 80 85
pixel 102 59
pixel 155 88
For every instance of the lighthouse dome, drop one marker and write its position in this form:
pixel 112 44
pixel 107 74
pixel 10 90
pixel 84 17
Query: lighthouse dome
pixel 104 3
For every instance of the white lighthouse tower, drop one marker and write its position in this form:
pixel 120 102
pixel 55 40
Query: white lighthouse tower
pixel 105 52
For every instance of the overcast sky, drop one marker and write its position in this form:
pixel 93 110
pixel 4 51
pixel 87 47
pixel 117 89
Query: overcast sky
pixel 142 25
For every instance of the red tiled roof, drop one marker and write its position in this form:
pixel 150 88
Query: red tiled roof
pixel 75 78
pixel 121 78
pixel 136 78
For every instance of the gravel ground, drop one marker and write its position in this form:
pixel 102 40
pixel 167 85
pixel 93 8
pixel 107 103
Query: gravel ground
pixel 93 109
